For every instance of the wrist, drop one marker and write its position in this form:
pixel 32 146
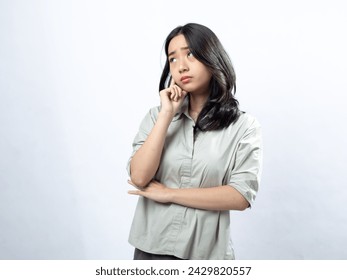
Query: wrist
pixel 171 195
pixel 166 115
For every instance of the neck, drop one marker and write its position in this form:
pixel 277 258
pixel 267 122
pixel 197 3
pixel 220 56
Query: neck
pixel 196 103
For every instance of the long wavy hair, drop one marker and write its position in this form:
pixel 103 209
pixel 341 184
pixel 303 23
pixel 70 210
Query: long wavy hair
pixel 221 108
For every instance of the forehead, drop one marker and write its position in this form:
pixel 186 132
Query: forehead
pixel 177 43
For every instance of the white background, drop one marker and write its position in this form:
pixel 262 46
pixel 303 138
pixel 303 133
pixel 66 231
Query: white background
pixel 77 77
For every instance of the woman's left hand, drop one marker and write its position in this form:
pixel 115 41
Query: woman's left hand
pixel 154 191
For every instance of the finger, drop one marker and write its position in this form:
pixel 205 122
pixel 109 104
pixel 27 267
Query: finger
pixel 179 93
pixel 134 192
pixel 172 82
pixel 173 93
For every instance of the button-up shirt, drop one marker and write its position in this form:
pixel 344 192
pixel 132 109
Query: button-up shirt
pixel 230 156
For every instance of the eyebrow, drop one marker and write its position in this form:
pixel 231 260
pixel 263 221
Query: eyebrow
pixel 173 52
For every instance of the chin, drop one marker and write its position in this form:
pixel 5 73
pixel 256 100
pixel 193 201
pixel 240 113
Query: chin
pixel 187 88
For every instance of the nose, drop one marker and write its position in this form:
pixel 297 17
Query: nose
pixel 183 67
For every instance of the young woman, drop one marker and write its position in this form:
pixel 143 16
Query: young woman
pixel 195 157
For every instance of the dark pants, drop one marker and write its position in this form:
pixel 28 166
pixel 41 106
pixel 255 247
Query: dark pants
pixel 141 255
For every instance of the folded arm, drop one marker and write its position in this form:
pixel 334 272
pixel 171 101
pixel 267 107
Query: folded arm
pixel 215 198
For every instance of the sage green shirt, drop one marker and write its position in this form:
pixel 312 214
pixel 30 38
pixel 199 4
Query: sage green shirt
pixel 230 156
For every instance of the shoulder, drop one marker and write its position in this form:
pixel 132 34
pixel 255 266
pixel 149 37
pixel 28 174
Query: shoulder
pixel 151 115
pixel 154 112
pixel 246 126
pixel 246 121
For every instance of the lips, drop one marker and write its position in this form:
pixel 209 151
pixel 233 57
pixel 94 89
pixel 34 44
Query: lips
pixel 185 79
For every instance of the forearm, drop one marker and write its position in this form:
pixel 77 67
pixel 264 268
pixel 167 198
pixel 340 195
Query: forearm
pixel 145 162
pixel 215 198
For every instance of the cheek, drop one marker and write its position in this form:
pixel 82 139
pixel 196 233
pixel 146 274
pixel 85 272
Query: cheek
pixel 174 74
pixel 208 75
pixel 204 73
pixel 205 77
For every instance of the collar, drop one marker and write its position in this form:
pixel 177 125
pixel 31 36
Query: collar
pixel 184 110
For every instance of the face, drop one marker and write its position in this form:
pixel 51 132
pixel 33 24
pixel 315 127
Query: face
pixel 188 73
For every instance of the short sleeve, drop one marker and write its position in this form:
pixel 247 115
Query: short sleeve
pixel 246 171
pixel 144 130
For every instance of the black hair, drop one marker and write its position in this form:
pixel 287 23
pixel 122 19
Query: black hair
pixel 221 108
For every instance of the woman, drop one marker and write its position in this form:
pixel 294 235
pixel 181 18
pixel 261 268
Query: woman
pixel 195 157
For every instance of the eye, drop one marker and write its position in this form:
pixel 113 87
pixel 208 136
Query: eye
pixel 172 59
pixel 190 54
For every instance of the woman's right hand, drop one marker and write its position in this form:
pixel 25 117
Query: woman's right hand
pixel 171 98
